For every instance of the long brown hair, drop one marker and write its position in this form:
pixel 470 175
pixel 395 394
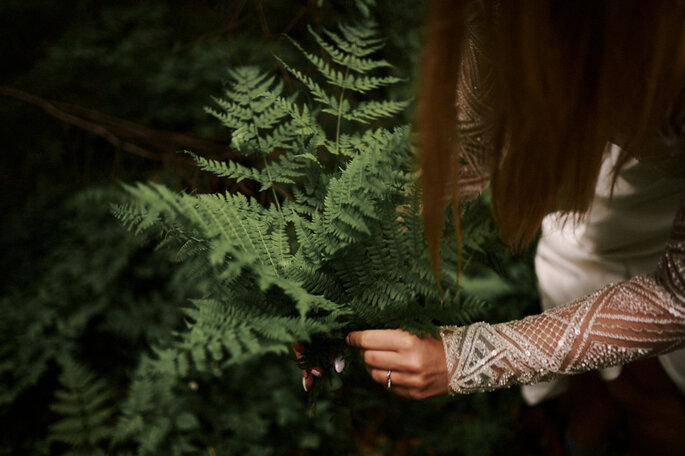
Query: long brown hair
pixel 568 76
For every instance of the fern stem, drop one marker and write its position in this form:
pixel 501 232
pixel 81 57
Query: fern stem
pixel 268 171
pixel 273 190
pixel 340 103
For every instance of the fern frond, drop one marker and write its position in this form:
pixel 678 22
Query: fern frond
pixel 348 59
pixel 83 403
pixel 231 169
pixel 304 121
pixel 231 335
pixel 345 250
pixel 338 78
pixel 317 92
pixel 281 170
pixel 233 224
pixel 373 110
pixel 254 105
pixel 357 40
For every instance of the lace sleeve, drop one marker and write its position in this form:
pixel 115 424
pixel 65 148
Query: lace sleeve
pixel 620 323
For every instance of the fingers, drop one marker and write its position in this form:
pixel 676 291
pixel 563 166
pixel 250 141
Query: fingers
pixel 417 366
pixel 387 349
pixel 383 359
pixel 308 375
pixel 382 350
pixel 307 380
pixel 398 378
pixel 403 384
pixel 380 339
pixel 339 363
pixel 298 348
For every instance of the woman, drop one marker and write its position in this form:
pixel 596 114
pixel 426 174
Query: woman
pixel 558 100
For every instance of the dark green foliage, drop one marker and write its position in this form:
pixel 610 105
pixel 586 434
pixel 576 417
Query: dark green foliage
pixel 102 298
pixel 252 409
pixel 174 340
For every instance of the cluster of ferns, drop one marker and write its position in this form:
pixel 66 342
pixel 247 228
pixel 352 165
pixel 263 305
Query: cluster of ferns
pixel 337 245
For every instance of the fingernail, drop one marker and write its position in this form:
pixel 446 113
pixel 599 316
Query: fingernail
pixel 316 372
pixel 304 384
pixel 339 364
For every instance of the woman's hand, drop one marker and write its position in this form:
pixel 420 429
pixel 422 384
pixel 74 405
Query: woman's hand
pixel 308 375
pixel 417 365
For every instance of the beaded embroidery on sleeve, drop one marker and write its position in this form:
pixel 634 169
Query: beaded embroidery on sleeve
pixel 620 323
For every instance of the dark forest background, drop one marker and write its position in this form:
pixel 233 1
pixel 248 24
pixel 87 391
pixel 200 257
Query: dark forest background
pixel 96 93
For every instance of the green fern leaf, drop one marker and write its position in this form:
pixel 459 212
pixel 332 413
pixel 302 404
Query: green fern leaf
pixel 84 406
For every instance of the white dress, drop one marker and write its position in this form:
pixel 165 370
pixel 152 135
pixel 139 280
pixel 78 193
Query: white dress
pixel 621 236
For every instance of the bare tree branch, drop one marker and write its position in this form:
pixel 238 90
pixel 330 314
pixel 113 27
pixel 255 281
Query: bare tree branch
pixel 149 143
pixel 160 145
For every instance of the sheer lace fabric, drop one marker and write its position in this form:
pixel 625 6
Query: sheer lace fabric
pixel 620 323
